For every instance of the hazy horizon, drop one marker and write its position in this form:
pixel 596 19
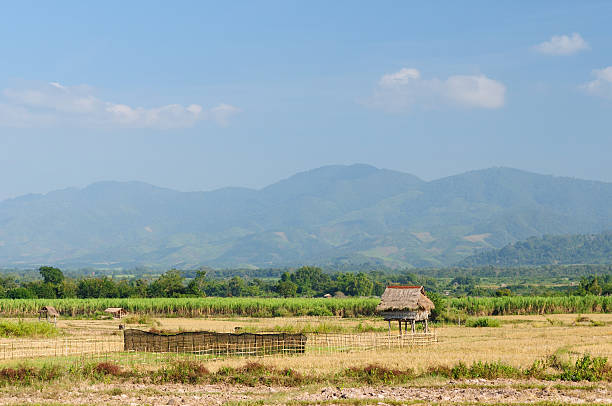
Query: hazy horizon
pixel 78 187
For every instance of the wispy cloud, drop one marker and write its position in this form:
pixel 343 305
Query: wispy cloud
pixel 403 90
pixel 562 45
pixel 602 84
pixel 55 104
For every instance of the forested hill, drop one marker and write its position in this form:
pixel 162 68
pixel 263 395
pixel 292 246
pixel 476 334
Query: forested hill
pixel 334 215
pixel 548 250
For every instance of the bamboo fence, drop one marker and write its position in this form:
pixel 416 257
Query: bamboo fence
pixel 113 347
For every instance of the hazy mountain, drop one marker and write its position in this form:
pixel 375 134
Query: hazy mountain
pixel 548 250
pixel 352 213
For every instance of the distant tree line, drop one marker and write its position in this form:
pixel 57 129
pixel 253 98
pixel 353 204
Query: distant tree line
pixel 307 281
pixel 549 249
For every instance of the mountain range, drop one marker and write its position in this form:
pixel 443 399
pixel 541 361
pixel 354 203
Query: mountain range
pixel 548 250
pixel 330 215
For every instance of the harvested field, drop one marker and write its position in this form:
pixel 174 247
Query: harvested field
pixel 309 378
pixel 427 392
pixel 519 341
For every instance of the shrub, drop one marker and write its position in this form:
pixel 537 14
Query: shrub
pixel 27 329
pixel 21 375
pixel 377 374
pixel 108 368
pixel 482 322
pixel 255 373
pixel 143 319
pixel 183 372
pixel 587 368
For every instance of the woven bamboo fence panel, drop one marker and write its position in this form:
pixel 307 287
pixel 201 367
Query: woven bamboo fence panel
pixel 213 343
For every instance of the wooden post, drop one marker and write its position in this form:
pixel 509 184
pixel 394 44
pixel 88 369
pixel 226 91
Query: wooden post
pixel 413 327
pixel 426 326
pixel 400 327
pixel 389 321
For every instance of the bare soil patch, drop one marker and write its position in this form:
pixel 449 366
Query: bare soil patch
pixel 441 392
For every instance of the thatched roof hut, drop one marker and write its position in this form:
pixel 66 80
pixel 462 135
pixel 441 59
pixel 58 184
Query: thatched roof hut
pixel 405 304
pixel 48 311
pixel 404 298
pixel 117 312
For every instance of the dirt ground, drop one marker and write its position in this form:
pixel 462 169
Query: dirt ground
pixel 426 392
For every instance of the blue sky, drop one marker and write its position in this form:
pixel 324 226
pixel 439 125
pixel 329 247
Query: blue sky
pixel 200 95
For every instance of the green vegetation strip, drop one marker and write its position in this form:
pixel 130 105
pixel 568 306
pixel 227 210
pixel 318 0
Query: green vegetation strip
pixel 279 307
pixel 36 329
pixel 585 368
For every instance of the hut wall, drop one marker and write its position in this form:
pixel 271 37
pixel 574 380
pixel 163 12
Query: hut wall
pixel 214 343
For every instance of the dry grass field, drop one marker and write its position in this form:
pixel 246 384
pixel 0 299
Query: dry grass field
pixel 519 341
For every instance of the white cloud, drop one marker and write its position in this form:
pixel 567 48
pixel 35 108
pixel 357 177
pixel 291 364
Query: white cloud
pixel 56 104
pixel 403 77
pixel 602 85
pixel 476 91
pixel 403 90
pixel 562 45
pixel 222 113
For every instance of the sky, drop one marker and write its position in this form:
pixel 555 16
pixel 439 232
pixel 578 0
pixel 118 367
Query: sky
pixel 201 95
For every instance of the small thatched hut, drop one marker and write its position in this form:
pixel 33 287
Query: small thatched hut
pixel 405 304
pixel 47 312
pixel 117 312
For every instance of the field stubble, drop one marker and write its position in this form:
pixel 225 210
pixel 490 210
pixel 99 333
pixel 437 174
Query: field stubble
pixel 519 341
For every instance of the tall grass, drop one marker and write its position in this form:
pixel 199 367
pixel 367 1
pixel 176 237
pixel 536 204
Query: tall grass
pixel 277 307
pixel 22 328
pixel 198 307
pixel 488 306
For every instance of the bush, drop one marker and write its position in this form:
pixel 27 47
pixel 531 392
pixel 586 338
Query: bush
pixel 27 329
pixel 108 368
pixel 183 372
pixel 587 368
pixel 143 319
pixel 377 374
pixel 482 322
pixel 21 375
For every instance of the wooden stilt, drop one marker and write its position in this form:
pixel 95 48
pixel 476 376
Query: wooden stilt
pixel 389 326
pixel 426 326
pixel 400 327
pixel 413 327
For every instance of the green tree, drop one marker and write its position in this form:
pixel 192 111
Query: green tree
pixel 170 284
pixel 197 285
pixel 67 289
pixel 310 280
pixel 440 305
pixel 355 285
pixel 20 293
pixel 286 288
pixel 51 275
pixel 235 286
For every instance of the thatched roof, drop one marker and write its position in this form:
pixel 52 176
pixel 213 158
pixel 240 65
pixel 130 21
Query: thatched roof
pixel 402 298
pixel 115 310
pixel 50 310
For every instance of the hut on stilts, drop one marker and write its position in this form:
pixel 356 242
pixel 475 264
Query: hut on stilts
pixel 405 304
pixel 49 313
pixel 116 312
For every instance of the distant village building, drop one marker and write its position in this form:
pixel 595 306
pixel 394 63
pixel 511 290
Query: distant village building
pixel 117 312
pixel 48 312
pixel 405 304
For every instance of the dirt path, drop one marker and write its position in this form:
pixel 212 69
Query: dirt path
pixel 473 392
